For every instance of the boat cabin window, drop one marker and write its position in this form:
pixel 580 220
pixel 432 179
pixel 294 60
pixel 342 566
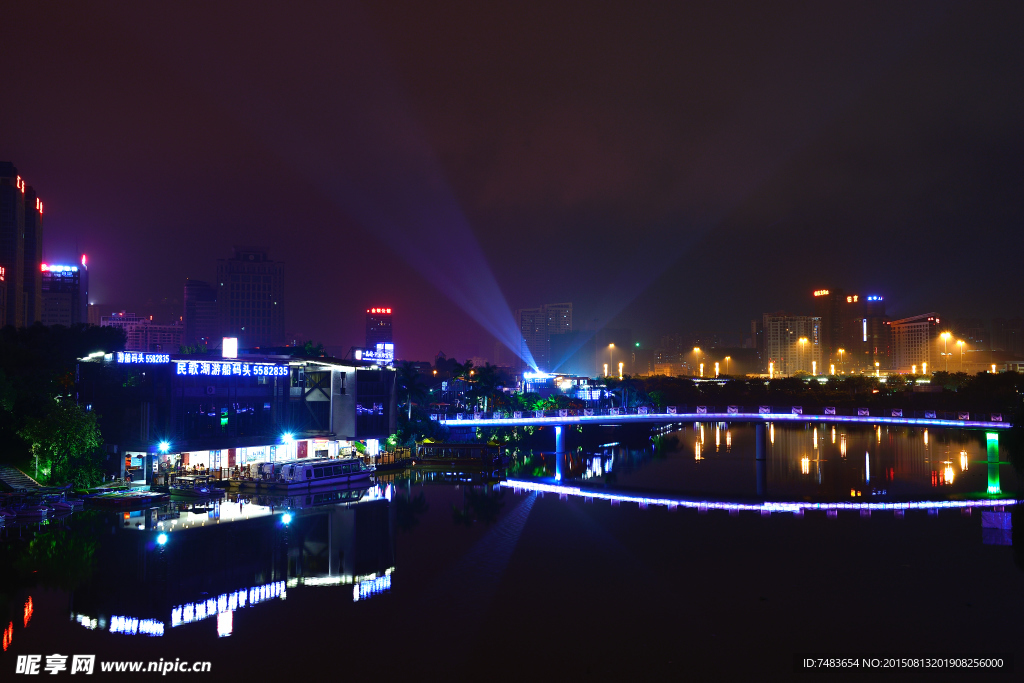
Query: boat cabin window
pixel 309 473
pixel 318 473
pixel 346 469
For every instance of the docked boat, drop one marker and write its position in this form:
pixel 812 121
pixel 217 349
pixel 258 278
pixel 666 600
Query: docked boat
pixel 301 474
pixel 198 486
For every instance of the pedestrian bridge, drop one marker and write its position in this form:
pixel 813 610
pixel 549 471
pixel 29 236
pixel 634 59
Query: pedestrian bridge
pixel 613 416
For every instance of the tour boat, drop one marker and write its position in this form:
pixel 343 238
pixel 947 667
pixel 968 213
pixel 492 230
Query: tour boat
pixel 318 472
pixel 199 486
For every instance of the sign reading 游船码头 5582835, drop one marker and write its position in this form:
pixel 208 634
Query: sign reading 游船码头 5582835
pixel 207 368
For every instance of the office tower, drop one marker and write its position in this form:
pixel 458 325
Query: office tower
pixel 31 270
pixel 792 344
pixel 913 343
pixel 65 294
pixel 378 326
pixel 250 293
pixel 200 314
pixel 828 305
pixel 12 242
pixel 537 326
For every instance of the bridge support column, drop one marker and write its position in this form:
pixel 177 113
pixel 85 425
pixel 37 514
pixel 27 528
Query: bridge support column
pixel 559 451
pixel 761 457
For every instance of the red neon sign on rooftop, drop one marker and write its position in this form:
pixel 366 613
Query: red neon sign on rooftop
pixel 379 310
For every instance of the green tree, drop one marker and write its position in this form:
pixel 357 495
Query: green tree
pixel 66 440
pixel 410 381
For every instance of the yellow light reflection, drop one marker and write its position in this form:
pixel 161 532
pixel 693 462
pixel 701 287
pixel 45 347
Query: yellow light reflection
pixel 728 440
pixel 771 432
pixel 833 435
pixel 815 438
pixel 805 465
pixel 718 438
pixel 879 433
pixel 949 473
pixel 702 432
pixel 842 445
pixel 926 437
pixel 963 461
pixel 696 450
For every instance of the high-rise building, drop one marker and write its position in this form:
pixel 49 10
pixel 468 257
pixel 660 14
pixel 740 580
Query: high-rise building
pixel 537 325
pixel 142 334
pixel 65 294
pixel 3 294
pixel 914 343
pixel 1008 336
pixel 13 205
pixel 250 298
pixel 828 305
pixel 200 314
pixel 378 326
pixel 33 259
pixel 792 344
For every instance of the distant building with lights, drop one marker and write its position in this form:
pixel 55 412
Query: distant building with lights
pixel 250 298
pixel 537 326
pixel 914 342
pixel 21 244
pixel 792 344
pixel 854 333
pixel 378 326
pixel 65 294
pixel 142 334
pixel 200 317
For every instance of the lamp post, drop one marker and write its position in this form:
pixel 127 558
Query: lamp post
pixel 727 359
pixel 960 343
pixel 611 350
pixel 842 358
pixel 945 338
pixel 620 369
pixel 716 369
pixel 802 341
pixel 696 359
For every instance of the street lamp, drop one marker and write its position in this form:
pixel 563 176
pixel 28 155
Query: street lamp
pixel 605 369
pixel 716 369
pixel 960 343
pixel 945 338
pixel 611 348
pixel 164 446
pixel 842 358
pixel 620 369
pixel 876 369
pixel 701 369
pixel 727 359
pixel 803 346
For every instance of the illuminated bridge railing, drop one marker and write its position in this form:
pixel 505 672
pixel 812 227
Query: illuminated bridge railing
pixel 766 507
pixel 955 419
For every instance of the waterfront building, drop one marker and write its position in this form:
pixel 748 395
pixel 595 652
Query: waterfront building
pixel 913 343
pixel 792 344
pixel 200 319
pixel 225 413
pixel 143 334
pixel 378 326
pixel 250 298
pixel 1008 335
pixel 65 293
pixel 21 248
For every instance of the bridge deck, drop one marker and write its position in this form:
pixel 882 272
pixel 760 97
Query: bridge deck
pixel 664 418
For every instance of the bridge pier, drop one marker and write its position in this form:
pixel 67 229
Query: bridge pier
pixel 761 457
pixel 559 451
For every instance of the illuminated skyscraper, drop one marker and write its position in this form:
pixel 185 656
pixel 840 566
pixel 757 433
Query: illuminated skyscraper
pixel 537 325
pixel 200 314
pixel 65 293
pixel 21 241
pixel 250 298
pixel 378 326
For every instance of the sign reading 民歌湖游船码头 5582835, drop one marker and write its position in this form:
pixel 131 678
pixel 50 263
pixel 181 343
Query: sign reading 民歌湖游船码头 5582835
pixel 206 368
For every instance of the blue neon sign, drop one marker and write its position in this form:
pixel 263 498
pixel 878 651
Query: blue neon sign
pixel 133 358
pixel 206 368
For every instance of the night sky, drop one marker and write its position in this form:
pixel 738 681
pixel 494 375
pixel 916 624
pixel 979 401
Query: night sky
pixel 665 167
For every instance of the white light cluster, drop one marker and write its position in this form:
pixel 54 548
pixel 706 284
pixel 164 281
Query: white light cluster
pixel 130 626
pixel 228 602
pixel 218 369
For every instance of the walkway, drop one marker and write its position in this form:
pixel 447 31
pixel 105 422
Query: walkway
pixel 15 479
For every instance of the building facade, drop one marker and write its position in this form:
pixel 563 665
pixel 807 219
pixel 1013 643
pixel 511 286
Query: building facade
pixel 792 344
pixel 914 342
pixel 21 243
pixel 250 298
pixel 200 318
pixel 537 326
pixel 378 326
pixel 65 294
pixel 142 334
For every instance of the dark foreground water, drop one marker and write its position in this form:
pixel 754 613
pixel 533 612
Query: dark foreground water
pixel 439 575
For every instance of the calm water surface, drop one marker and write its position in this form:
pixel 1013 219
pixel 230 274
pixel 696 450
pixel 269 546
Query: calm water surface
pixel 439 572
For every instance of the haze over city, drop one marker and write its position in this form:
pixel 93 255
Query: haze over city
pixel 663 167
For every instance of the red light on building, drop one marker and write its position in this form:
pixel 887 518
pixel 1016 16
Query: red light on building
pixel 83 260
pixel 29 609
pixel 821 292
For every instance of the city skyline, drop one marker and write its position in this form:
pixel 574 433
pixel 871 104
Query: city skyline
pixel 657 213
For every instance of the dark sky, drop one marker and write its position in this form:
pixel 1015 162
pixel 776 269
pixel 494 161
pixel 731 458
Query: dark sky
pixel 667 166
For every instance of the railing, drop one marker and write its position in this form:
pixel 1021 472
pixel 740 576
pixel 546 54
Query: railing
pixel 392 457
pixel 725 412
